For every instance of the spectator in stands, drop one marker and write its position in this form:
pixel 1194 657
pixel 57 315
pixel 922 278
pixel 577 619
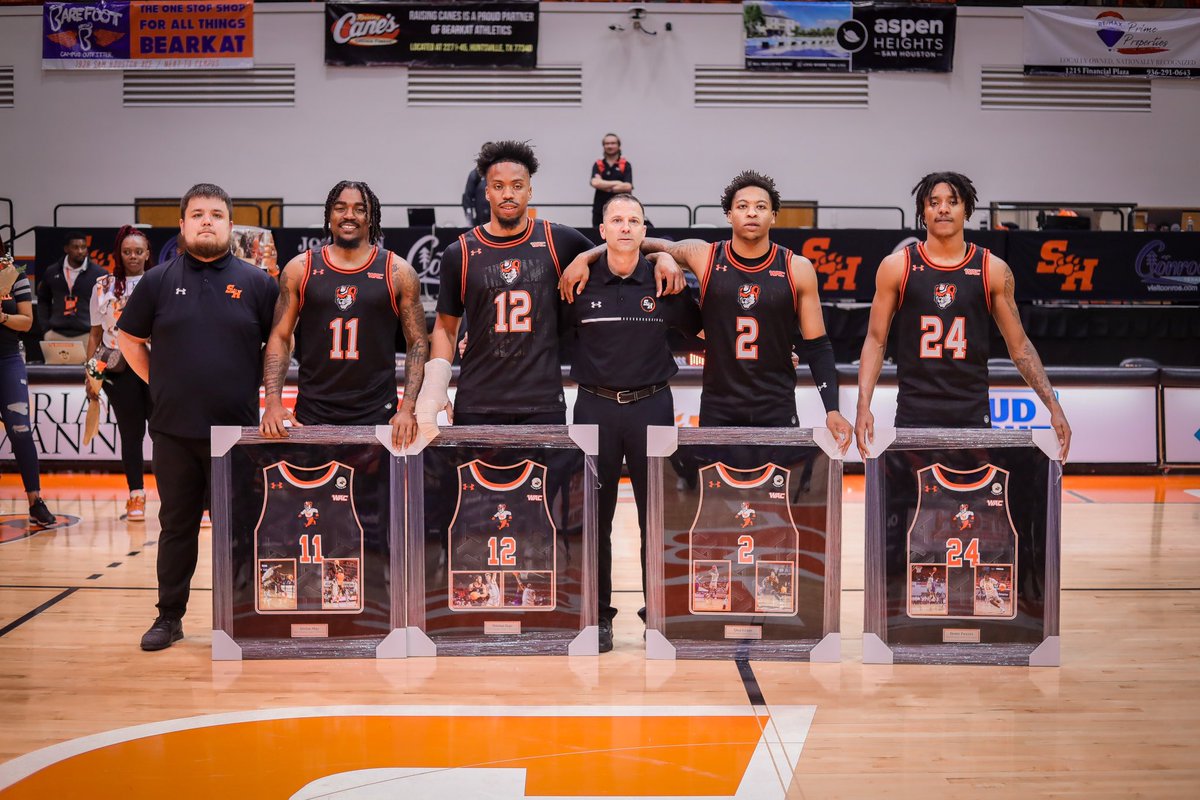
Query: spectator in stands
pixel 474 200
pixel 16 315
pixel 127 393
pixel 612 174
pixel 63 292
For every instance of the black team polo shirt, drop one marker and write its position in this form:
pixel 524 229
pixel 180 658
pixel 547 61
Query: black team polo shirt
pixel 207 323
pixel 622 328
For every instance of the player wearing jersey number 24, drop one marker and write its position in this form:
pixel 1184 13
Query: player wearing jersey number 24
pixel 936 297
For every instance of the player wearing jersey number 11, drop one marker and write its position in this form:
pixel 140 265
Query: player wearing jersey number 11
pixel 936 298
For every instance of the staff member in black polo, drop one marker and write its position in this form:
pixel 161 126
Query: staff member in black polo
pixel 194 329
pixel 622 364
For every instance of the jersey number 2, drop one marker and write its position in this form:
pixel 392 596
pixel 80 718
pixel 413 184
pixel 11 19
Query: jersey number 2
pixel 512 311
pixel 931 337
pixel 350 328
pixel 745 549
pixel 745 347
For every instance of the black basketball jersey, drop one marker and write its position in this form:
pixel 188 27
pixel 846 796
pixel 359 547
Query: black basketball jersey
pixel 346 338
pixel 941 333
pixel 961 534
pixel 743 544
pixel 509 293
pixel 308 537
pixel 502 532
pixel 750 321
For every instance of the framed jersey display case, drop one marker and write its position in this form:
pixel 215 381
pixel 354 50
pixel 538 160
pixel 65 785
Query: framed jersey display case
pixel 962 549
pixel 743 544
pixel 501 542
pixel 305 562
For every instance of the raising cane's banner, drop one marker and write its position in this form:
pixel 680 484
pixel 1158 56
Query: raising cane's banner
pixel 1129 42
pixel 148 35
pixel 466 33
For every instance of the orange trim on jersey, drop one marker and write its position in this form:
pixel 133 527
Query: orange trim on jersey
pixel 987 288
pixel 904 277
pixel 769 261
pixel 387 277
pixel 929 262
pixel 787 269
pixel 938 476
pixel 285 469
pixel 712 257
pixel 304 279
pixel 482 235
pixel 499 486
pixel 462 244
pixel 330 264
pixel 750 484
pixel 550 245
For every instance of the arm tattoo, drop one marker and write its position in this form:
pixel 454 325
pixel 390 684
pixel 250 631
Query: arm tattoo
pixel 412 321
pixel 1028 363
pixel 275 365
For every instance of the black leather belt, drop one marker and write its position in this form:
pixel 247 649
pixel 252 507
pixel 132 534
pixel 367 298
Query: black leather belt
pixel 624 396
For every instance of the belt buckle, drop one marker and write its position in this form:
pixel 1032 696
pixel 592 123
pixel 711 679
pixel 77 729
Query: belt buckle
pixel 622 394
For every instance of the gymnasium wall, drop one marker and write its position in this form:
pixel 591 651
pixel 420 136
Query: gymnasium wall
pixel 68 138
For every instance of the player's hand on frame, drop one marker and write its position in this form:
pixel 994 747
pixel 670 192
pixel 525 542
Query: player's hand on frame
pixel 1058 421
pixel 864 432
pixel 574 278
pixel 404 428
pixel 840 427
pixel 668 275
pixel 274 417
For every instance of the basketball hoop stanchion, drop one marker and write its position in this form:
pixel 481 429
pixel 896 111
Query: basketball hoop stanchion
pixel 962 553
pixel 305 563
pixel 743 544
pixel 501 541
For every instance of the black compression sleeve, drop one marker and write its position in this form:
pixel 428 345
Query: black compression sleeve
pixel 819 354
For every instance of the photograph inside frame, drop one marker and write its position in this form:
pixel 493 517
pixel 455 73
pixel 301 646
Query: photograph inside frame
pixel 503 539
pixel 744 531
pixel 310 542
pixel 965 544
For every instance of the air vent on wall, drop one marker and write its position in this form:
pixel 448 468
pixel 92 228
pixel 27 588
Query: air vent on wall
pixel 259 86
pixel 1009 89
pixel 727 86
pixel 544 86
pixel 6 87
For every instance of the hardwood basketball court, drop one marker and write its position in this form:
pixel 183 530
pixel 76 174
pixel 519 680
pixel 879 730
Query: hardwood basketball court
pixel 1119 718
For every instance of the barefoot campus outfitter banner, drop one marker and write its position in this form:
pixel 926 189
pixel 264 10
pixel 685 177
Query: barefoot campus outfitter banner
pixel 1129 42
pixel 148 35
pixel 452 33
pixel 848 37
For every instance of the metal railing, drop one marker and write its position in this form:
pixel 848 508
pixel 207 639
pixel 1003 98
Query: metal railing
pixel 816 211
pixel 149 204
pixel 1124 211
pixel 650 207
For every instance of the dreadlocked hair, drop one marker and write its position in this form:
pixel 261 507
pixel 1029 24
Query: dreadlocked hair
pixel 375 231
pixel 508 150
pixel 119 262
pixel 745 180
pixel 961 184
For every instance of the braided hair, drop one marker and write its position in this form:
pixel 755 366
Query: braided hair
pixel 375 232
pixel 961 184
pixel 119 262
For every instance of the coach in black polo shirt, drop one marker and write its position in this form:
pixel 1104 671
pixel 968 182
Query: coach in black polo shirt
pixel 622 364
pixel 194 330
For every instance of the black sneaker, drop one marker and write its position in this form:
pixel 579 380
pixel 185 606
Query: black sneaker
pixel 162 634
pixel 40 515
pixel 606 642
